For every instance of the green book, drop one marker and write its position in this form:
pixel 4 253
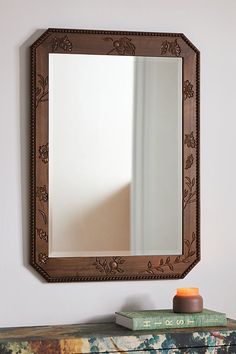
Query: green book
pixel 163 319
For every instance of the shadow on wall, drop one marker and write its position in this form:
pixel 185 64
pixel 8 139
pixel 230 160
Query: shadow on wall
pixel 138 303
pixel 134 303
pixel 105 227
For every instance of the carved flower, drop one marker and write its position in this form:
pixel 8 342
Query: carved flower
pixel 42 193
pixel 43 153
pixel 171 47
pixel 122 46
pixel 189 140
pixel 63 43
pixel 109 267
pixel 113 265
pixel 188 89
pixel 42 235
pixel 189 161
pixel 42 257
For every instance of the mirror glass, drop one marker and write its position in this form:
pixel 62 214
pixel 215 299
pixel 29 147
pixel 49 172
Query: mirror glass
pixel 115 153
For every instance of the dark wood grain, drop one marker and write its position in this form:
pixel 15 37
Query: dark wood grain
pixel 115 43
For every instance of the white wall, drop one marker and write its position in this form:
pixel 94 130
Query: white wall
pixel 24 298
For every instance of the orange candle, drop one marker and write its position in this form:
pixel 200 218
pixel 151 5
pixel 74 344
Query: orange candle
pixel 187 291
pixel 187 300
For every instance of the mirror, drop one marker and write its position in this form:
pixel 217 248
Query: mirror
pixel 111 191
pixel 115 160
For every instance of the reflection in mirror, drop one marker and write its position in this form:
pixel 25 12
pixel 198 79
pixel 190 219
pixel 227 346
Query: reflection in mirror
pixel 115 142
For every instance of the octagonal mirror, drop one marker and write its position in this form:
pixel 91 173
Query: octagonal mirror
pixel 115 155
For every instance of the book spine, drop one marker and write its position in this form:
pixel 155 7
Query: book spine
pixel 184 321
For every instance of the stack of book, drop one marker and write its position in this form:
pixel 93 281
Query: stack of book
pixel 163 319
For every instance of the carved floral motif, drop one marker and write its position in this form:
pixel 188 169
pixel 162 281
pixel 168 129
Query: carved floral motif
pixel 189 251
pixel 109 267
pixel 42 257
pixel 165 263
pixel 160 268
pixel 42 194
pixel 189 191
pixel 42 234
pixel 42 89
pixel 122 46
pixel 172 48
pixel 190 140
pixel 62 43
pixel 189 162
pixel 44 216
pixel 43 153
pixel 188 90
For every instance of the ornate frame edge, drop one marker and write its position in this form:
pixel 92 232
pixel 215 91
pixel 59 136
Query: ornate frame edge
pixel 33 260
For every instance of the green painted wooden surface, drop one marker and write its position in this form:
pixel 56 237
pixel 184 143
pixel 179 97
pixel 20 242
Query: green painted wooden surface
pixel 111 338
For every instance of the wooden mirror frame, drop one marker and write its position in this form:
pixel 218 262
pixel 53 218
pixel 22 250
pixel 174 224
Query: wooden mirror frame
pixel 71 269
